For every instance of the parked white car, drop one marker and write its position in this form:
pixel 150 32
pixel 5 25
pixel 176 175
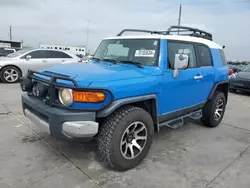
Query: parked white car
pixel 6 51
pixel 17 64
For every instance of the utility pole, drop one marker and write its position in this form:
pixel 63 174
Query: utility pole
pixel 179 19
pixel 10 34
pixel 87 37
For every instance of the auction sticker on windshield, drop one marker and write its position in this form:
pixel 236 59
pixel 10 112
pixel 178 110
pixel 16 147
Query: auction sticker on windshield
pixel 144 53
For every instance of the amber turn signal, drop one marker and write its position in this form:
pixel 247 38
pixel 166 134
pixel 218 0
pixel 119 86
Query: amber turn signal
pixel 80 96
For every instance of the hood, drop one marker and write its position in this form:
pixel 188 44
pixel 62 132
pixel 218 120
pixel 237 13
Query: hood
pixel 244 75
pixel 86 73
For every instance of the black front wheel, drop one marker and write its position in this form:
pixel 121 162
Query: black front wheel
pixel 125 137
pixel 214 110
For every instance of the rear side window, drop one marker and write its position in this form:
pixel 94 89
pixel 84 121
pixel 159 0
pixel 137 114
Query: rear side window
pixel 204 56
pixel 55 54
pixel 223 57
pixel 65 55
pixel 39 54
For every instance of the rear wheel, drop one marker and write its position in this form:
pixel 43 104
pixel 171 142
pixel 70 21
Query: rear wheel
pixel 10 74
pixel 214 110
pixel 125 137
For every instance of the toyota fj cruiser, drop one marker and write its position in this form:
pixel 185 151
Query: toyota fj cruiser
pixel 132 86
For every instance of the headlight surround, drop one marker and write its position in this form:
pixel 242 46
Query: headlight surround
pixel 65 96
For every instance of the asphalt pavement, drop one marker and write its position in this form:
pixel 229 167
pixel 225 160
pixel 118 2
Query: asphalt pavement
pixel 192 156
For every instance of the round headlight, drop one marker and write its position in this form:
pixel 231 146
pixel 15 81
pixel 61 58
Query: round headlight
pixel 66 97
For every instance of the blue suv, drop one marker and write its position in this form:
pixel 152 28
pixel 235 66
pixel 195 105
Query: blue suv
pixel 133 85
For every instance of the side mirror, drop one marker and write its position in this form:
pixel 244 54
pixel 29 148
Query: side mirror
pixel 180 62
pixel 28 57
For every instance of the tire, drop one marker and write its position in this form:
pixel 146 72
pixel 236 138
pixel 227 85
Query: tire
pixel 210 119
pixel 14 74
pixel 113 131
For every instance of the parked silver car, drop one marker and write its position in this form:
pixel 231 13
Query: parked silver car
pixel 17 64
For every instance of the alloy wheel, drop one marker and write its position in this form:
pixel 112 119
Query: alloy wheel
pixel 133 140
pixel 10 75
pixel 219 109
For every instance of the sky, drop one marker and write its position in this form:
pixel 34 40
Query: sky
pixel 64 22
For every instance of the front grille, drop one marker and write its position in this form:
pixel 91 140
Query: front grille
pixel 51 97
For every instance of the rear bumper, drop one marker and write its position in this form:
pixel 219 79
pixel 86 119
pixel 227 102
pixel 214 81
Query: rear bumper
pixel 60 123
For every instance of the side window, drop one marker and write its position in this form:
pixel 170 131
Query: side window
pixel 65 55
pixel 181 48
pixel 39 54
pixel 55 54
pixel 223 57
pixel 204 56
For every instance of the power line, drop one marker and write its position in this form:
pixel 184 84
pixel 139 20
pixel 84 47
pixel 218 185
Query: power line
pixel 10 34
pixel 211 2
pixel 216 2
pixel 87 36
pixel 179 20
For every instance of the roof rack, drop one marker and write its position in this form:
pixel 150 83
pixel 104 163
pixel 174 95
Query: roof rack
pixel 138 30
pixel 179 30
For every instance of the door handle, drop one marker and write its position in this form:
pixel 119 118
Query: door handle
pixel 198 77
pixel 44 61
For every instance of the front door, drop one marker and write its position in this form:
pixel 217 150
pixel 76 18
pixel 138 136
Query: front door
pixel 36 61
pixel 183 91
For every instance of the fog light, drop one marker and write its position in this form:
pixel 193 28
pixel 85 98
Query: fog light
pixel 39 90
pixel 26 84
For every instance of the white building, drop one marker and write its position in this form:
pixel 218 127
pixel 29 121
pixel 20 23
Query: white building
pixel 78 50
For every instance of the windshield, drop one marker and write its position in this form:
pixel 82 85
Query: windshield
pixel 246 69
pixel 144 51
pixel 18 53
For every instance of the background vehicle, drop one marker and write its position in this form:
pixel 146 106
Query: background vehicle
pixel 236 68
pixel 17 64
pixel 132 86
pixel 241 80
pixel 6 51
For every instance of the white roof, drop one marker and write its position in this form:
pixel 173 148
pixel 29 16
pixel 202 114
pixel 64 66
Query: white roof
pixel 209 43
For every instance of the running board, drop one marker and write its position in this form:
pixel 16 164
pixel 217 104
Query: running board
pixel 178 122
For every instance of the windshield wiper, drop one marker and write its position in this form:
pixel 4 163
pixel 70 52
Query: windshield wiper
pixel 105 59
pixel 95 58
pixel 111 60
pixel 133 62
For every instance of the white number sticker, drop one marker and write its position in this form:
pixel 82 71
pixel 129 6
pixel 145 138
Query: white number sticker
pixel 144 53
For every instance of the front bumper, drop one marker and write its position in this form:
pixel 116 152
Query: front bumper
pixel 60 123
